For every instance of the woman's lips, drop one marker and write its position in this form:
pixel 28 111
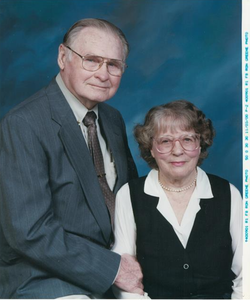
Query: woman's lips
pixel 178 164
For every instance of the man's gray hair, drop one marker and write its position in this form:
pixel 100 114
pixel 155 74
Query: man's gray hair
pixel 105 25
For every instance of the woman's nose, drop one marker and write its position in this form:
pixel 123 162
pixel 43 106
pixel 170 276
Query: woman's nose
pixel 177 148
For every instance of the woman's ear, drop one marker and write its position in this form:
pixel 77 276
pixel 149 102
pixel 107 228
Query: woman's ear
pixel 152 153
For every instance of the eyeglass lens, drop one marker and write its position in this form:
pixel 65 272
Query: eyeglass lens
pixel 93 63
pixel 165 144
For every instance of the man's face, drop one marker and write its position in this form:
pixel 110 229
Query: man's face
pixel 89 87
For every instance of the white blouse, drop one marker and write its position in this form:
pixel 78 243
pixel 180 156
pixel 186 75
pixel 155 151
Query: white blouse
pixel 125 227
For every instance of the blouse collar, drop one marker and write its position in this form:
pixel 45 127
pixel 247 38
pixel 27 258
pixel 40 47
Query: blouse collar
pixel 202 191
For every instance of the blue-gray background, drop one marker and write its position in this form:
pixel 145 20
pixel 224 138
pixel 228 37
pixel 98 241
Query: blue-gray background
pixel 180 49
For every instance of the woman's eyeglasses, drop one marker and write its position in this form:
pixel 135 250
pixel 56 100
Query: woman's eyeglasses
pixel 164 144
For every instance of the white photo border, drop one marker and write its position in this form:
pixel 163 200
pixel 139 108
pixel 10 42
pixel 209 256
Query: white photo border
pixel 246 144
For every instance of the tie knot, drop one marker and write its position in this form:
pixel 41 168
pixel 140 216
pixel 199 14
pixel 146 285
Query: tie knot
pixel 89 119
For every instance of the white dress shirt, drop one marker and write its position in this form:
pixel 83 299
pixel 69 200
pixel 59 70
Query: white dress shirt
pixel 125 227
pixel 80 111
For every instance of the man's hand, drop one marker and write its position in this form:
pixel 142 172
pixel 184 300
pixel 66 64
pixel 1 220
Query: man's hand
pixel 130 275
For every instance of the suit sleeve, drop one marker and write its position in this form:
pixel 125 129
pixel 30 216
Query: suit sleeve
pixel 29 223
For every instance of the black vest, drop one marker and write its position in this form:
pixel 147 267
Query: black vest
pixel 203 269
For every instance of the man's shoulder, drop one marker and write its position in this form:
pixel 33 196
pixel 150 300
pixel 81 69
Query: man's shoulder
pixel 33 105
pixel 108 109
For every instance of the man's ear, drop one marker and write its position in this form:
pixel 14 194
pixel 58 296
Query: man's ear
pixel 61 56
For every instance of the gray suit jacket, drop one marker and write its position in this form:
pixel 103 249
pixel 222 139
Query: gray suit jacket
pixel 54 224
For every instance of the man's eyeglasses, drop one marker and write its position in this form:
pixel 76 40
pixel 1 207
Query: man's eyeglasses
pixel 93 63
pixel 165 144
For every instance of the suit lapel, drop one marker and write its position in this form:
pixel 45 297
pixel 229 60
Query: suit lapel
pixel 115 142
pixel 79 156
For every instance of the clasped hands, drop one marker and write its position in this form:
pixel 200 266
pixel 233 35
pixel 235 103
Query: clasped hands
pixel 130 276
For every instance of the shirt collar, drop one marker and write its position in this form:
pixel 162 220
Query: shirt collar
pixel 77 107
pixel 203 188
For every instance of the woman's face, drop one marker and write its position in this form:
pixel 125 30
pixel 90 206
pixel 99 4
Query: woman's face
pixel 177 164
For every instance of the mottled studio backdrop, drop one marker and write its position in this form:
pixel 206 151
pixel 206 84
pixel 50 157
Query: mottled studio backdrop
pixel 180 49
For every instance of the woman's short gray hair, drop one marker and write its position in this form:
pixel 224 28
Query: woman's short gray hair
pixel 176 113
pixel 105 25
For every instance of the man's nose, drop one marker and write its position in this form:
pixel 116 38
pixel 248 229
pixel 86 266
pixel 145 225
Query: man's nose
pixel 102 72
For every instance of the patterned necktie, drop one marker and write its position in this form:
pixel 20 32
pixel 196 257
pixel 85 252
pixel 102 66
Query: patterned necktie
pixel 96 153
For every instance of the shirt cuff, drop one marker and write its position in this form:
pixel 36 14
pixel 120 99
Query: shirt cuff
pixel 120 294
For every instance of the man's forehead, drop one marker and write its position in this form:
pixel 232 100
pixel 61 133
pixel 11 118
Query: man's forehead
pixel 95 33
pixel 100 41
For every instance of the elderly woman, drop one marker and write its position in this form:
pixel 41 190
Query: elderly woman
pixel 183 225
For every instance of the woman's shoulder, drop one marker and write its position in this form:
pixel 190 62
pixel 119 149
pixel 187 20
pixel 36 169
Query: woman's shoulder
pixel 220 183
pixel 137 181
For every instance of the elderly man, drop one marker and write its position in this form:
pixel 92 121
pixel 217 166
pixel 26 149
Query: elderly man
pixel 64 154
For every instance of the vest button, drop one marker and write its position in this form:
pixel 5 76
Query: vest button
pixel 186 266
